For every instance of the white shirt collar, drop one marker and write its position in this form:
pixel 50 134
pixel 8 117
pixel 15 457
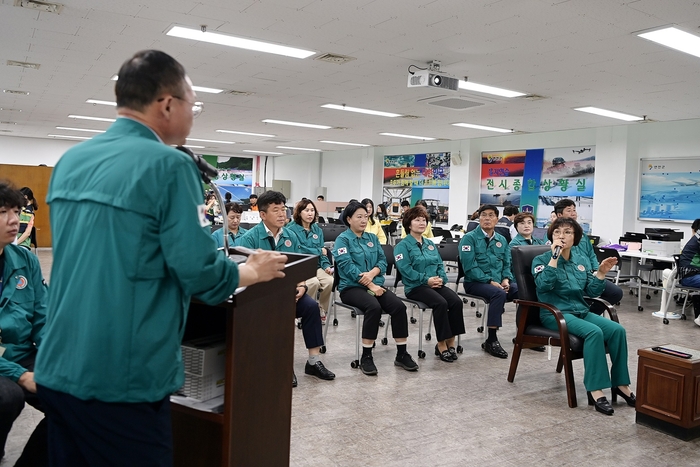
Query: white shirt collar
pixel 277 237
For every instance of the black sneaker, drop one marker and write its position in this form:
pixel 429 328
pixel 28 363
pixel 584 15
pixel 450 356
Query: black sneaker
pixel 367 366
pixel 406 362
pixel 495 349
pixel 294 380
pixel 319 371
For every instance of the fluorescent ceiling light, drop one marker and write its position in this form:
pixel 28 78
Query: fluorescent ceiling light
pixel 476 87
pixel 192 146
pixel 194 88
pixel 359 110
pixel 211 141
pixel 305 125
pixel 245 133
pixel 481 127
pixel 425 138
pixel 98 119
pixel 239 42
pixel 610 113
pixel 70 137
pixel 675 39
pixel 264 152
pixel 298 149
pixel 346 144
pixel 96 101
pixel 79 129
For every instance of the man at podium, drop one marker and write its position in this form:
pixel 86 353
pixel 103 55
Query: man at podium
pixel 271 235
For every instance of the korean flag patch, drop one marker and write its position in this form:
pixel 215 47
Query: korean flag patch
pixel 466 248
pixel 539 268
pixel 342 251
pixel 399 257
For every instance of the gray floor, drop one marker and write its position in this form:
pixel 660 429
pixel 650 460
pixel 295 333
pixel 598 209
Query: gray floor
pixel 462 413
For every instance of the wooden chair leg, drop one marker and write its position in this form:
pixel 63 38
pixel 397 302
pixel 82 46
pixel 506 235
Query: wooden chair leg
pixel 515 358
pixel 570 385
pixel 560 362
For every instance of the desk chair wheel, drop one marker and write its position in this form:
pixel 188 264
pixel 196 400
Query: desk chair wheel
pixel 460 349
pixel 665 321
pixel 421 354
pixel 478 314
pixel 413 320
pixel 631 292
pixel 385 341
pixel 352 314
pixel 323 349
pixel 683 317
pixel 354 364
pixel 465 301
pixel 473 303
pixel 299 324
pixel 656 292
pixel 381 323
pixel 480 329
pixel 335 321
pixel 428 337
pixel 640 308
pixel 483 345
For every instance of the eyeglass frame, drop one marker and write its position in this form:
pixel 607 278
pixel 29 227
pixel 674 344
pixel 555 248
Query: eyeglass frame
pixel 197 107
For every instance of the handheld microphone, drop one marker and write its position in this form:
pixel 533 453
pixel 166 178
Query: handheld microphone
pixel 205 168
pixel 557 250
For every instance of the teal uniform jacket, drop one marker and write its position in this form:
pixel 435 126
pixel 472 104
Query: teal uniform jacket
pixel 22 309
pixel 355 255
pixel 257 237
pixel 418 263
pixel 566 285
pixel 218 236
pixel 121 283
pixel 311 242
pixel 520 240
pixel 485 263
pixel 585 249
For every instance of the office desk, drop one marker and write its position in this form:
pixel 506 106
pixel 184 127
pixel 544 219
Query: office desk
pixel 661 313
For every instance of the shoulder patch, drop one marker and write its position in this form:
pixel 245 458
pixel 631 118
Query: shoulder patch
pixel 539 268
pixel 399 257
pixel 466 248
pixel 342 251
pixel 21 282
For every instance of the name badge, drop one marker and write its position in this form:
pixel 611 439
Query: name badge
pixel 287 243
pixel 581 267
pixel 370 244
pixel 431 247
pixel 315 236
pixel 499 244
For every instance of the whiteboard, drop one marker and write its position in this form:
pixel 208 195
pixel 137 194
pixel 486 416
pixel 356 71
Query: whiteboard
pixel 669 189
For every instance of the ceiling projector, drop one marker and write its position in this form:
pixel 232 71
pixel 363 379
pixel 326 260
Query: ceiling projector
pixel 428 78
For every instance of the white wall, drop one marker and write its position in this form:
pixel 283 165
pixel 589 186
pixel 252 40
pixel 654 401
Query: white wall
pixel 349 174
pixel 32 151
pixel 303 170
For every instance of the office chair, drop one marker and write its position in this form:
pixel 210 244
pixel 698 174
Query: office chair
pixel 614 274
pixel 677 275
pixel 531 333
pixel 474 299
pixel 391 232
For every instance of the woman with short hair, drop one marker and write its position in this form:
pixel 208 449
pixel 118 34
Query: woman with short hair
pixel 235 231
pixel 524 223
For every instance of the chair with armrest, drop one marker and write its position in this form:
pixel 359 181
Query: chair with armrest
pixel 675 279
pixel 531 333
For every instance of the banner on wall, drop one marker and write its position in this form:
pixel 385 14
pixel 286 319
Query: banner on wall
pixel 535 179
pixel 417 177
pixel 235 177
pixel 669 189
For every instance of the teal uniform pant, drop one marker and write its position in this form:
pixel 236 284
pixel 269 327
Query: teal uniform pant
pixel 596 332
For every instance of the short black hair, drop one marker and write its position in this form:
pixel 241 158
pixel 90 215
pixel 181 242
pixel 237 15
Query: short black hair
pixel 320 197
pixel 563 204
pixel 405 203
pixel 253 196
pixel 146 76
pixel 696 225
pixel 233 207
pixel 268 198
pixel 520 217
pixel 350 210
pixel 10 197
pixel 562 221
pixel 510 210
pixel 487 207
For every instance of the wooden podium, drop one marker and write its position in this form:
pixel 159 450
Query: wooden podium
pixel 254 428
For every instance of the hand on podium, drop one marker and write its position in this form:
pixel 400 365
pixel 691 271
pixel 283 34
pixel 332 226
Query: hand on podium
pixel 261 266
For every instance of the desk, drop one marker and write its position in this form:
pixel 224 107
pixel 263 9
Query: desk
pixel 662 313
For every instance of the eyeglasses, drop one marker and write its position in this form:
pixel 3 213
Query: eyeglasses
pixel 489 215
pixel 558 232
pixel 197 107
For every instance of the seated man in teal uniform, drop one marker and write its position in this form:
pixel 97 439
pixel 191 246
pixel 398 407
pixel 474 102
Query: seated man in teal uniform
pixel 485 257
pixel 612 294
pixel 270 234
pixel 235 231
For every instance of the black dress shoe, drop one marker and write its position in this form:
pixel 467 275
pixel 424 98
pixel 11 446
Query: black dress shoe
pixel 495 349
pixel 319 370
pixel 453 352
pixel 601 405
pixel 367 366
pixel 445 356
pixel 294 380
pixel 541 348
pixel 631 399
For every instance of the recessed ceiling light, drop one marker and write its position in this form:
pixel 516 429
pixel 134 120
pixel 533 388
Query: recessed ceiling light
pixel 10 110
pixel 193 146
pixel 14 91
pixel 476 87
pixel 264 152
pixel 194 88
pixel 239 42
pixel 298 149
pixel 346 144
pixel 425 138
pixel 211 141
pixel 97 101
pixel 481 127
pixel 79 129
pixel 610 113
pixel 245 133
pixel 305 125
pixel 675 39
pixel 33 66
pixel 70 137
pixel 98 119
pixel 359 110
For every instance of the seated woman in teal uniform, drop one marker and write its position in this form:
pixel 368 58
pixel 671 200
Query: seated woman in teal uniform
pixel 563 280
pixel 310 238
pixel 235 231
pixel 423 275
pixel 22 319
pixel 524 223
pixel 361 266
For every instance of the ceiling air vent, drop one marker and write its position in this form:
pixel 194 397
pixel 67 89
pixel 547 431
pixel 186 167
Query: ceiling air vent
pixel 532 97
pixel 45 7
pixel 14 91
pixel 233 92
pixel 411 117
pixel 5 109
pixel 455 103
pixel 6 131
pixel 335 58
pixel 33 66
pixel 8 123
pixel 277 141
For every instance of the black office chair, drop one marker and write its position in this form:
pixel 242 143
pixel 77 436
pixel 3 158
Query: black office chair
pixel 531 333
pixel 473 299
pixel 678 274
pixel 391 232
pixel 614 274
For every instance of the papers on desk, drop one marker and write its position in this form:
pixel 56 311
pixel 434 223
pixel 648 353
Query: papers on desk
pixel 215 405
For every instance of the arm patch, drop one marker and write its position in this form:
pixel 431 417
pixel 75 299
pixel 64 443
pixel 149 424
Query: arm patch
pixel 466 248
pixel 342 251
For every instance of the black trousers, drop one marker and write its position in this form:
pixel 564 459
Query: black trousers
pixel 447 309
pixel 311 327
pixel 88 433
pixel 611 294
pixel 12 400
pixel 372 307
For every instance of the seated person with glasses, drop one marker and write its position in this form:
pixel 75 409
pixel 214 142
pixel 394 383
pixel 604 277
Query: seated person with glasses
pixel 563 280
pixel 361 265
pixel 233 215
pixel 423 275
pixel 524 223
pixel 428 233
pixel 486 261
pixel 270 234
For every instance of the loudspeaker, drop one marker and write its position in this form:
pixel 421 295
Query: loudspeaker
pixel 456 158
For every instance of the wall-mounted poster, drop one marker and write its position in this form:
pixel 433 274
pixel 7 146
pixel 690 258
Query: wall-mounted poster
pixel 669 189
pixel 417 177
pixel 236 177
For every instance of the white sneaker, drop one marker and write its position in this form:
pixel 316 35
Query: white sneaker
pixel 697 320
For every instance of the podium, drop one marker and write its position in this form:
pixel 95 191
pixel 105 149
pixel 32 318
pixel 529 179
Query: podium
pixel 254 428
